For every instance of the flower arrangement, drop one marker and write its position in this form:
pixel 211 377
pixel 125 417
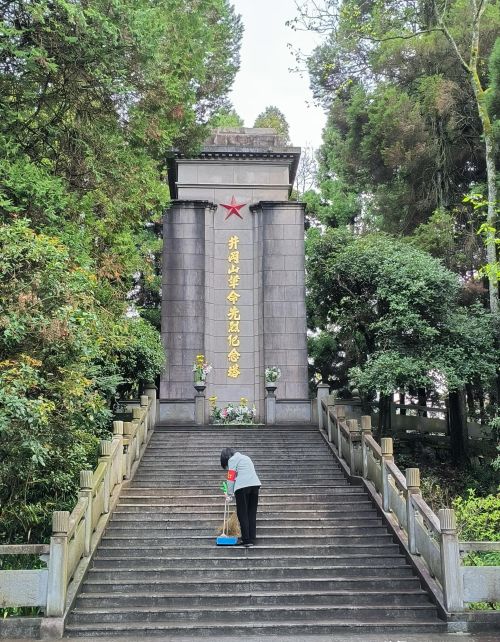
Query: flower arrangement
pixel 232 414
pixel 273 373
pixel 201 368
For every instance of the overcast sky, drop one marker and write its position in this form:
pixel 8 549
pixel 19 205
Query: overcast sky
pixel 264 77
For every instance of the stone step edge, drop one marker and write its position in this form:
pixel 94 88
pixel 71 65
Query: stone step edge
pixel 258 608
pixel 401 625
pixel 296 569
pixel 275 580
pixel 255 557
pixel 347 592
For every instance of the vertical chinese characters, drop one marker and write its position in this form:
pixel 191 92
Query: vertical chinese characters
pixel 233 315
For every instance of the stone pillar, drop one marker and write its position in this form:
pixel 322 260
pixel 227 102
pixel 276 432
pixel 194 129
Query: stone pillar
pixel 151 392
pixel 413 488
pixel 322 392
pixel 183 294
pixel 450 561
pixel 58 564
pixel 354 435
pixel 270 407
pixel 387 456
pixel 366 430
pixel 283 295
pixel 86 491
pixel 199 402
pixel 105 447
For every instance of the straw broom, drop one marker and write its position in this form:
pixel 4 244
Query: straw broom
pixel 232 526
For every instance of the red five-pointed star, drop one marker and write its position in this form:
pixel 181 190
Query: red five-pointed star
pixel 232 208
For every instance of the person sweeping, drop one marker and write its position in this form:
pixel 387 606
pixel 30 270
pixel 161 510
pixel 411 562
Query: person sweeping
pixel 243 483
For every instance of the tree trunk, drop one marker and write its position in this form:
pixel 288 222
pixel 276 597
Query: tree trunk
pixel 459 440
pixel 471 68
pixel 402 400
pixel 469 391
pixel 422 401
pixel 385 419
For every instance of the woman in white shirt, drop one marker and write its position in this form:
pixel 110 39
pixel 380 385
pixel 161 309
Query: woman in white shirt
pixel 243 483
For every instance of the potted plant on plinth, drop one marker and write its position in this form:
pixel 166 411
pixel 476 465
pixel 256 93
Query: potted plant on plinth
pixel 272 376
pixel 200 370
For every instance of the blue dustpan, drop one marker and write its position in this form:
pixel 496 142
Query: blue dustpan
pixel 226 540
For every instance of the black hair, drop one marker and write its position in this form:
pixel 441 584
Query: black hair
pixel 225 456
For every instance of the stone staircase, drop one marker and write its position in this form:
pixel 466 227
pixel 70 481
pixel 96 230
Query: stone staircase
pixel 324 562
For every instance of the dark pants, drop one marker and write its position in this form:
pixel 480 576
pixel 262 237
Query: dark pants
pixel 246 509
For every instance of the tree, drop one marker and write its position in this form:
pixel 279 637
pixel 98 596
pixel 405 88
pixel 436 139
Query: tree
pixel 305 179
pixel 92 97
pixel 394 78
pixel 274 118
pixel 395 313
pixel 227 117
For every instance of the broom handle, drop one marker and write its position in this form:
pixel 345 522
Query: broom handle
pixel 225 512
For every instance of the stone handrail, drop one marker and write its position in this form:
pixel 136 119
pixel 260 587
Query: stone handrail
pixel 429 538
pixel 75 535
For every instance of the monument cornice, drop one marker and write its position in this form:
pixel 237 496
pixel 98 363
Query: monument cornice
pixel 192 203
pixel 269 205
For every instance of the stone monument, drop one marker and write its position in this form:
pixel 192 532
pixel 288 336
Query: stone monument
pixel 233 276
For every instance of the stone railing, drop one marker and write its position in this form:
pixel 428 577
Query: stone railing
pixel 75 535
pixel 428 538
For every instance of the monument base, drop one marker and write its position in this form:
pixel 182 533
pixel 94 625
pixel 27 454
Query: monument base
pixel 288 411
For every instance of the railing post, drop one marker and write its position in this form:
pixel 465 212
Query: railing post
pixel 352 424
pixel 270 406
pixel 86 491
pixel 136 419
pixel 128 429
pixel 117 476
pixel 450 561
pixel 151 392
pixel 105 457
pixel 199 408
pixel 330 403
pixel 340 414
pixel 58 564
pixel 366 430
pixel 387 455
pixel 144 407
pixel 322 391
pixel 412 488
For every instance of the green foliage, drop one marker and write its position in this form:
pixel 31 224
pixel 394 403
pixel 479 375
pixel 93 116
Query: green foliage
pixel 274 118
pixel 404 138
pixel 92 97
pixel 493 97
pixel 394 311
pixel 227 117
pixel 478 518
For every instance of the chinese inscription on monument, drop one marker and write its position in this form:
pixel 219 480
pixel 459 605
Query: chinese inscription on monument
pixel 233 315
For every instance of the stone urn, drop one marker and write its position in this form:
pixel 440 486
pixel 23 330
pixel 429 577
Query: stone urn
pixel 271 388
pixel 199 386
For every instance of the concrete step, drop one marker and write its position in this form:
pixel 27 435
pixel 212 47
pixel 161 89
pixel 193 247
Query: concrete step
pixel 196 530
pixel 276 550
pixel 201 479
pixel 244 584
pixel 197 541
pixel 291 494
pixel 324 561
pixel 123 575
pixel 259 613
pixel 220 629
pixel 211 520
pixel 111 562
pixel 179 511
pixel 339 597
